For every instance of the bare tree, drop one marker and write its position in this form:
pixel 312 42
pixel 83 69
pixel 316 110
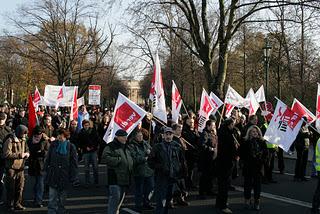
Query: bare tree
pixel 58 39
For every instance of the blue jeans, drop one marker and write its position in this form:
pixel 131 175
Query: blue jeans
pixel 163 193
pixel 38 188
pixel 57 199
pixel 91 158
pixel 116 196
pixel 143 188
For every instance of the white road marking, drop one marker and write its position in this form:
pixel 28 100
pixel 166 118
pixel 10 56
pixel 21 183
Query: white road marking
pixel 281 198
pixel 130 211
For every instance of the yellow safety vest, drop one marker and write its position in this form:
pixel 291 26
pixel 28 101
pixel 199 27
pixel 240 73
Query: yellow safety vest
pixel 318 156
pixel 270 145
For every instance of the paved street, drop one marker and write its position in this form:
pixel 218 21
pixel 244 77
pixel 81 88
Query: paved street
pixel 286 196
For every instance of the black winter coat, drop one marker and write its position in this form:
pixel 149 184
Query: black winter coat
pixel 253 154
pixel 61 170
pixel 38 153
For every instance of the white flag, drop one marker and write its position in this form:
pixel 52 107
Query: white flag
pixel 50 96
pixel 260 96
pixel 217 103
pixel 284 126
pixel 176 103
pixel 157 93
pixel 127 116
pixel 251 102
pixel 234 98
pixel 206 107
pixel 318 109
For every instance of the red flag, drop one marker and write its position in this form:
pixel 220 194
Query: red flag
pixel 176 102
pixel 32 117
pixel 74 107
pixel 302 111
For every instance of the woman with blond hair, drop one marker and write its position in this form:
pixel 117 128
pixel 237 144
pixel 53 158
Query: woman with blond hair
pixel 253 153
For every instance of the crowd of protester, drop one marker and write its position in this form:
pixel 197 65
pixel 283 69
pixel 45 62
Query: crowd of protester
pixel 162 163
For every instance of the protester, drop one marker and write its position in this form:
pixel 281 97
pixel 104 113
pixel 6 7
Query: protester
pixel 82 115
pixel 89 142
pixel 143 174
pixel 207 160
pixel 253 153
pixel 316 195
pixel 302 144
pixel 15 152
pixel 119 170
pixel 38 148
pixel 167 159
pixel 191 135
pixel 20 119
pixel 61 170
pixel 4 131
pixel 227 152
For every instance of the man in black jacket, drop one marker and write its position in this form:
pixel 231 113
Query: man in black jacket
pixel 167 159
pixel 88 142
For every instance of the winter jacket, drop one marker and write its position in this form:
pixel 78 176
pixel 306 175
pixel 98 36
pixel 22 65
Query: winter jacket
pixel 139 155
pixel 227 150
pixel 38 153
pixel 61 170
pixel 167 159
pixel 4 131
pixel 88 138
pixel 253 154
pixel 13 149
pixel 119 163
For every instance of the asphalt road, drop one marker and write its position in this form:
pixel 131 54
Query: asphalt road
pixel 286 196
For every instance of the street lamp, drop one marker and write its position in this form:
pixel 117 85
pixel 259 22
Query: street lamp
pixel 266 57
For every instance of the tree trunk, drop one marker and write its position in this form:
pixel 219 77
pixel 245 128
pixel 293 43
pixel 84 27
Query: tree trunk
pixel 218 84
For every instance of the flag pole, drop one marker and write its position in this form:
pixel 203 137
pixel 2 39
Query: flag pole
pixel 159 121
pixel 150 125
pixel 221 117
pixel 185 109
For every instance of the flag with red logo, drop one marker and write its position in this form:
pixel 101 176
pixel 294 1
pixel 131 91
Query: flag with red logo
pixel 228 110
pixel 217 103
pixel 234 98
pixel 127 116
pixel 32 116
pixel 283 127
pixel 251 102
pixel 318 109
pixel 36 98
pixel 61 95
pixel 302 111
pixel 206 107
pixel 74 107
pixel 176 103
pixel 157 93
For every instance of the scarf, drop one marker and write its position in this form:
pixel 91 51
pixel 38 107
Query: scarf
pixel 62 148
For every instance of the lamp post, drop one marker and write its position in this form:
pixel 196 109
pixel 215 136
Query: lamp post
pixel 266 57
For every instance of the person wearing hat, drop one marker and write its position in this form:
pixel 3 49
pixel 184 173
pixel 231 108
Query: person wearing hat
pixel 4 131
pixel 15 152
pixel 38 148
pixel 119 170
pixel 168 161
